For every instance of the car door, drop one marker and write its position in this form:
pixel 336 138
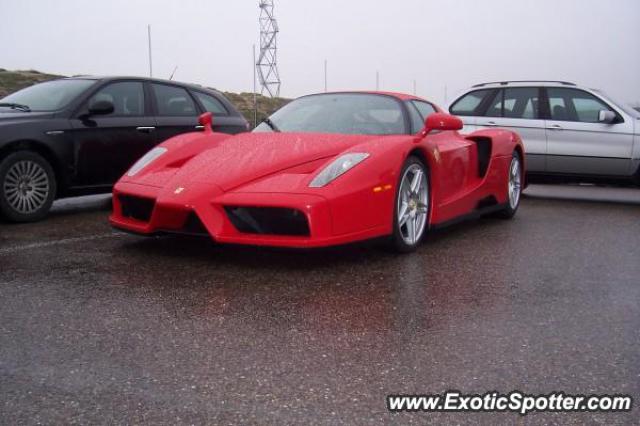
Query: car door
pixel 578 143
pixel 105 146
pixel 518 109
pixel 469 106
pixel 175 110
pixel 454 154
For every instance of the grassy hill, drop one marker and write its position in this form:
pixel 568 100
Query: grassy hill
pixel 11 81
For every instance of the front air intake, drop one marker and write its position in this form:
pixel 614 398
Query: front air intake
pixel 268 220
pixel 136 208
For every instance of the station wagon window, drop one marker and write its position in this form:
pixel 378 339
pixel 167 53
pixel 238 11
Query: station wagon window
pixel 495 109
pixel 558 108
pixel 470 103
pixel 211 104
pixel 575 105
pixel 173 101
pixel 127 98
pixel 521 102
pixel 515 102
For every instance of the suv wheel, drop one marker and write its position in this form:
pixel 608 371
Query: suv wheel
pixel 27 187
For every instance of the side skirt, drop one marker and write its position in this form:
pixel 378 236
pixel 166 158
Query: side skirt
pixel 476 214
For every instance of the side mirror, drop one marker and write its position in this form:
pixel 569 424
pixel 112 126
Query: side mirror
pixel 101 108
pixel 607 117
pixel 441 121
pixel 206 121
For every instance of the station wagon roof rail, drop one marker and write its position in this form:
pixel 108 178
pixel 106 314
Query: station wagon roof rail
pixel 505 83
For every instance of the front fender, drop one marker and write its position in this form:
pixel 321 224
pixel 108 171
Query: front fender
pixel 180 149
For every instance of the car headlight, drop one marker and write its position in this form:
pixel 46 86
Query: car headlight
pixel 337 168
pixel 147 159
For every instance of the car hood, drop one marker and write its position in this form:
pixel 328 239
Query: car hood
pixel 249 156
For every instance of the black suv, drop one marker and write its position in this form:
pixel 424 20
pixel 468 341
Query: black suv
pixel 77 136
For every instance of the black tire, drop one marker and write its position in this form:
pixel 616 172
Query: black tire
pixel 510 210
pixel 36 205
pixel 397 241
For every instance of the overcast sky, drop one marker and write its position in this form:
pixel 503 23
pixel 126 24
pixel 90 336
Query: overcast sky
pixel 452 43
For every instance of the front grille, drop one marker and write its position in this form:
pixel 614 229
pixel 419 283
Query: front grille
pixel 268 220
pixel 136 208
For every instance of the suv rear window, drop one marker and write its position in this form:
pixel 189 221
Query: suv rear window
pixel 515 102
pixel 173 101
pixel 470 103
pixel 211 104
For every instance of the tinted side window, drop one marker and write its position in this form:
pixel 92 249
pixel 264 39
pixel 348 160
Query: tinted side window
pixel 470 103
pixel 558 108
pixel 521 102
pixel 127 98
pixel 173 101
pixel 425 108
pixel 495 108
pixel 575 105
pixel 211 104
pixel 515 102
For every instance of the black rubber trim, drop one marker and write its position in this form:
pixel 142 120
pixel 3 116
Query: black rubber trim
pixel 476 214
pixel 586 156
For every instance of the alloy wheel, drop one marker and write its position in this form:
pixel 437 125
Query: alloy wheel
pixel 413 204
pixel 515 185
pixel 26 187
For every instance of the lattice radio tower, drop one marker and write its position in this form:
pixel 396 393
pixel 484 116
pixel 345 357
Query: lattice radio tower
pixel 267 65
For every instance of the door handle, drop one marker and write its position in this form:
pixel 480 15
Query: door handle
pixel 554 127
pixel 199 127
pixel 145 129
pixel 490 123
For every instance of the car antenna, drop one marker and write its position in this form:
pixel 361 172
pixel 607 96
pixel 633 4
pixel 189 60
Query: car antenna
pixel 174 71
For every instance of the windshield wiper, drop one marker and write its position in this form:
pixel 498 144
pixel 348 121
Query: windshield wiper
pixel 270 124
pixel 21 107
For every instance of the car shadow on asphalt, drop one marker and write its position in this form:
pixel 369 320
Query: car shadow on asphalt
pixel 75 205
pixel 370 251
pixel 204 249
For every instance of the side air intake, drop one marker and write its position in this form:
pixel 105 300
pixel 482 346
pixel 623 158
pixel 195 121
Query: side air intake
pixel 268 220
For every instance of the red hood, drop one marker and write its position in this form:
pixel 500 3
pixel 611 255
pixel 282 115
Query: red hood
pixel 249 156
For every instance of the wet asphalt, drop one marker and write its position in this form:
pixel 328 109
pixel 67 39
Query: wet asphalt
pixel 100 327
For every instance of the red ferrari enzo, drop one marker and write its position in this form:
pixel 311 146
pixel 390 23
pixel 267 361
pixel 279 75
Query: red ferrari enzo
pixel 326 169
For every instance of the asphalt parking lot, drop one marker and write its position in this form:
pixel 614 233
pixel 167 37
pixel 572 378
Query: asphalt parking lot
pixel 102 327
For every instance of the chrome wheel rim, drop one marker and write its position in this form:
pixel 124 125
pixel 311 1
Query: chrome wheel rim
pixel 26 187
pixel 413 204
pixel 514 183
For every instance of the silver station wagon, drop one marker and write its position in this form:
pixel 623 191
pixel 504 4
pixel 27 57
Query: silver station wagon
pixel 570 133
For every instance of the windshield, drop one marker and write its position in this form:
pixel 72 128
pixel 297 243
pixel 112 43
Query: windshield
pixel 49 96
pixel 343 113
pixel 626 108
